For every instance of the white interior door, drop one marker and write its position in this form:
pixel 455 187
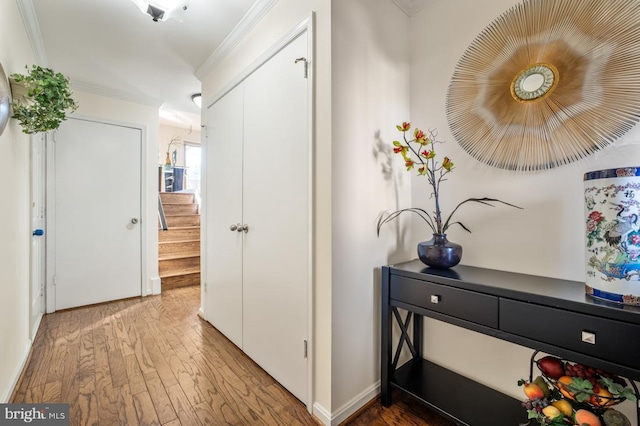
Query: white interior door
pixel 223 208
pixel 36 293
pixel 97 213
pixel 276 209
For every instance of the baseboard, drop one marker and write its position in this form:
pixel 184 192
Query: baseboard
pixel 36 326
pixel 351 407
pixel 344 412
pixel 321 414
pixel 156 286
pixel 17 374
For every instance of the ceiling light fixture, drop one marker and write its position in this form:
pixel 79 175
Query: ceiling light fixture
pixel 162 10
pixel 197 99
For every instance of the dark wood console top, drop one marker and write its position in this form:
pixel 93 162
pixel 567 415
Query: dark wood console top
pixel 563 294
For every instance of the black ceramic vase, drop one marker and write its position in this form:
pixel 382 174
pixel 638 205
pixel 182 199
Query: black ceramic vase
pixel 439 252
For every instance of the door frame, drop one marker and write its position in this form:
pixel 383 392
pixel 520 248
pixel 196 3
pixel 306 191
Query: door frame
pixel 38 193
pixel 145 224
pixel 308 25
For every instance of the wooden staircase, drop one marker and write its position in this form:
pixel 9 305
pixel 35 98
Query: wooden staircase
pixel 179 245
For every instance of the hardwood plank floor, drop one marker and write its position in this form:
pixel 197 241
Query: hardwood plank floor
pixel 153 361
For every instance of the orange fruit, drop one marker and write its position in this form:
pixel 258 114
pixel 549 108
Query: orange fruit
pixel 563 385
pixel 603 398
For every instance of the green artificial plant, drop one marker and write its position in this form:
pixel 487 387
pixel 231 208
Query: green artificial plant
pixel 46 102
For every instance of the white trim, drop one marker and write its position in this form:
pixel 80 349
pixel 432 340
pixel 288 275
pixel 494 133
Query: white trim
pixel 310 28
pixel 145 280
pixel 32 27
pixel 155 284
pixel 347 410
pixel 138 98
pixel 411 7
pixel 36 327
pixel 50 290
pixel 355 404
pixel 37 257
pixel 204 143
pixel 321 414
pixel 17 374
pixel 146 226
pixel 248 21
pixel 304 25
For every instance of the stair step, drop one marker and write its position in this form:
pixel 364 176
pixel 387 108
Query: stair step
pixel 188 233
pixel 183 220
pixel 171 247
pixel 177 197
pixel 180 281
pixel 179 255
pixel 178 265
pixel 179 272
pixel 171 209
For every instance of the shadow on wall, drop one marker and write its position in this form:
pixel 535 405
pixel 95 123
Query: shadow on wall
pixel 383 154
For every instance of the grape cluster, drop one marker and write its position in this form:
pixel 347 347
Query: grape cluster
pixel 536 404
pixel 591 374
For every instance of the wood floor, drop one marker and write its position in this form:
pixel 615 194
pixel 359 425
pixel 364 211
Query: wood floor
pixel 153 361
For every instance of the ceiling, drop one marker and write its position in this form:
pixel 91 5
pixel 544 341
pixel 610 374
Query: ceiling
pixel 111 47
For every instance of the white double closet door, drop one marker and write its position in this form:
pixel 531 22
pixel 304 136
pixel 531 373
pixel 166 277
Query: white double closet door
pixel 257 175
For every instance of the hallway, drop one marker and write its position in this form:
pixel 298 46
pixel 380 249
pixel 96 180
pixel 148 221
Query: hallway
pixel 153 361
pixel 150 361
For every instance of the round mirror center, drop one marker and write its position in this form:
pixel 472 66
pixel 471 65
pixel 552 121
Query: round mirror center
pixel 534 82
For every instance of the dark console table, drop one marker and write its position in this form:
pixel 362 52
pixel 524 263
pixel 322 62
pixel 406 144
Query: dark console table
pixel 546 314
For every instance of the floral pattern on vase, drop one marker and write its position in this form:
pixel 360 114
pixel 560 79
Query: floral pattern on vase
pixel 612 208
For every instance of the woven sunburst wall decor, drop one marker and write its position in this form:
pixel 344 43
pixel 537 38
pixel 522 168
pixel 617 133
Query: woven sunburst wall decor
pixel 548 82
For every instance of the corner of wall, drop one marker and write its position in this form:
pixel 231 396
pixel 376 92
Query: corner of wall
pixel 321 414
pixel 16 374
pixel 154 286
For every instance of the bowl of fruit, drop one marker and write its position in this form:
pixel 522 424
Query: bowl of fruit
pixel 568 393
pixel 593 387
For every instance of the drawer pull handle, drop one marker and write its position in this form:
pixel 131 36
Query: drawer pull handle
pixel 588 337
pixel 435 298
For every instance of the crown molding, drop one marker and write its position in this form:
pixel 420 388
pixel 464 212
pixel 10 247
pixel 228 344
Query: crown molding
pixel 117 94
pixel 411 7
pixel 32 27
pixel 248 21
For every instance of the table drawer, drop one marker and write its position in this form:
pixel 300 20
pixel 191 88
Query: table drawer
pixel 468 305
pixel 611 340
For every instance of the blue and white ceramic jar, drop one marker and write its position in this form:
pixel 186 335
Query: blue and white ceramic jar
pixel 612 207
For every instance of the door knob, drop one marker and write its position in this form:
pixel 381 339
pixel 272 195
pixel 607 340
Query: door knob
pixel 233 227
pixel 244 228
pixel 134 220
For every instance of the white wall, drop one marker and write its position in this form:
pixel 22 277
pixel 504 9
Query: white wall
pixel 146 117
pixel 284 15
pixel 370 95
pixel 546 238
pixel 15 235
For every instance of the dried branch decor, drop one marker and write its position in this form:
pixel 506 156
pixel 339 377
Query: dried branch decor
pixel 547 83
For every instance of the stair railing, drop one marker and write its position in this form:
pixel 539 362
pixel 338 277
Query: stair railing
pixel 161 216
